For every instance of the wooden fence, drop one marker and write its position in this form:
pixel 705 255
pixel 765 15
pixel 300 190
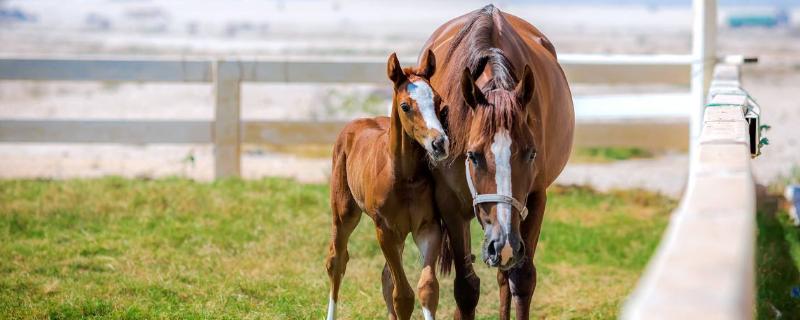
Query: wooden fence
pixel 227 131
pixel 704 266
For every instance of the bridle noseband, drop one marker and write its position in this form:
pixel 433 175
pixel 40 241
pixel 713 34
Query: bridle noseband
pixel 491 198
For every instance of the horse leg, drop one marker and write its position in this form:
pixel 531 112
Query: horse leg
pixel 523 277
pixel 505 294
pixel 346 216
pixel 428 237
pixel 466 284
pixel 388 288
pixel 402 295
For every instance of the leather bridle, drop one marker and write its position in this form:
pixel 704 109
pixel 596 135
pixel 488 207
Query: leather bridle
pixel 491 198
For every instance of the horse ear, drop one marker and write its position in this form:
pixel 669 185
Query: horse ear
pixel 472 94
pixel 525 87
pixel 394 70
pixel 427 65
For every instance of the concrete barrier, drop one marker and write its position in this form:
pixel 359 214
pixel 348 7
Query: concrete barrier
pixel 704 266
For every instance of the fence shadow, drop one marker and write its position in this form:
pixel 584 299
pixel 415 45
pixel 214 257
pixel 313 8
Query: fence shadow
pixel 776 269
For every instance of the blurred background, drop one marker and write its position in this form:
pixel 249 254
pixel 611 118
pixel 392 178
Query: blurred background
pixel 149 245
pixel 302 29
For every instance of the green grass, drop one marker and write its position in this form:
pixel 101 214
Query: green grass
pixel 135 249
pixel 608 154
pixel 579 155
pixel 778 262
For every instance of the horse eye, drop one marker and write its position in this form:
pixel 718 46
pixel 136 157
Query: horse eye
pixel 405 107
pixel 531 155
pixel 472 157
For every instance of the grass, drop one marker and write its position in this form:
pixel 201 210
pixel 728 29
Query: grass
pixel 778 255
pixel 778 262
pixel 115 248
pixel 608 154
pixel 579 155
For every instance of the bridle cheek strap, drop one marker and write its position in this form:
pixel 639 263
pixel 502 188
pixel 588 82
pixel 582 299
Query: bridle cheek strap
pixel 491 198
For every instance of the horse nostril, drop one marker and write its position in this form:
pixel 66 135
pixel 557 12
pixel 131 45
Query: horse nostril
pixel 491 250
pixel 438 144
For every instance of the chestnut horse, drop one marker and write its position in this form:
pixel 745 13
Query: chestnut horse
pixel 381 167
pixel 510 123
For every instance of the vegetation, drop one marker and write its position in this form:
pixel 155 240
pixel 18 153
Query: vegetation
pixel 579 155
pixel 608 154
pixel 131 249
pixel 778 262
pixel 778 255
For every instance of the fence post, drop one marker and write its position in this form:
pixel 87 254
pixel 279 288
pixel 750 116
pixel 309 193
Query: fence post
pixel 704 57
pixel 227 149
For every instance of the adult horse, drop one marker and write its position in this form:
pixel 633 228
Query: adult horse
pixel 512 128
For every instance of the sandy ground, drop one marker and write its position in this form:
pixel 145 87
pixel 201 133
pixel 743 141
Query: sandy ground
pixel 773 82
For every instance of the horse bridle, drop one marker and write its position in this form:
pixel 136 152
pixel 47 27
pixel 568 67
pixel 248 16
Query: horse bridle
pixel 491 198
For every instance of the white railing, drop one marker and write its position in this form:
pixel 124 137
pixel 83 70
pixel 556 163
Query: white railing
pixel 704 266
pixel 227 131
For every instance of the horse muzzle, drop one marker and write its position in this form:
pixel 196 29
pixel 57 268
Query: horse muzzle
pixel 498 252
pixel 439 149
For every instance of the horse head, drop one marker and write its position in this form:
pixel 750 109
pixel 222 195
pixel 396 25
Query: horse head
pixel 500 166
pixel 418 106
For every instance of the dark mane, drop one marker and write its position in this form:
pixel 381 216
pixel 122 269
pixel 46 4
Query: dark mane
pixel 474 47
pixel 500 112
pixel 477 35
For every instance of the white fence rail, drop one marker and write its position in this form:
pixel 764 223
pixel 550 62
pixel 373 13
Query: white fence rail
pixel 227 132
pixel 583 68
pixel 704 267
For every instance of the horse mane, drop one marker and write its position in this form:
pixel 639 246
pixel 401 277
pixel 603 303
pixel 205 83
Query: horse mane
pixel 500 112
pixel 478 34
pixel 473 47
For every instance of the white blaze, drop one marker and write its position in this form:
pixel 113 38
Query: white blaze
pixel 422 93
pixel 501 148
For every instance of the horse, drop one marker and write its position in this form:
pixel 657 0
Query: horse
pixel 381 166
pixel 510 123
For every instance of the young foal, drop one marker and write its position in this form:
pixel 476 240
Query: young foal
pixel 380 168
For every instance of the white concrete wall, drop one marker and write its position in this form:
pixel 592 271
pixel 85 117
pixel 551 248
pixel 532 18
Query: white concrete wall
pixel 704 266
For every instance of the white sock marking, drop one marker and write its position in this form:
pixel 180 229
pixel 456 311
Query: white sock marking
pixel 331 307
pixel 427 314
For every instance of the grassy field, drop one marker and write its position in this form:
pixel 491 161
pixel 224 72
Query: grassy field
pixel 174 248
pixel 608 154
pixel 778 266
pixel 579 155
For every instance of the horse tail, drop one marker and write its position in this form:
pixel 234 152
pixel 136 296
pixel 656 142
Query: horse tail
pixel 445 252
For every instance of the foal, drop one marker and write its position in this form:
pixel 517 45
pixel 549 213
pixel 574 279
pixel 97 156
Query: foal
pixel 380 168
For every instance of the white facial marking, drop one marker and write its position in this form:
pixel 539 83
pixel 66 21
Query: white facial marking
pixel 427 314
pixel 422 93
pixel 331 308
pixel 501 148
